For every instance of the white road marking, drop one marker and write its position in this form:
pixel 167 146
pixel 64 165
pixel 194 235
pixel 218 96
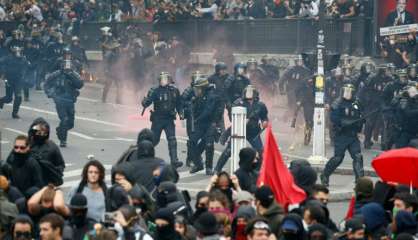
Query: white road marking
pixel 81 135
pixel 15 131
pixel 181 138
pixel 111 104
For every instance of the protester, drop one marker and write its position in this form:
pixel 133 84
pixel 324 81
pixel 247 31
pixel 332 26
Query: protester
pixel 93 186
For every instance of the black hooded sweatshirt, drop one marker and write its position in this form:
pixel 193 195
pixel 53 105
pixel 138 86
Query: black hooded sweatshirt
pixel 246 173
pixel 48 156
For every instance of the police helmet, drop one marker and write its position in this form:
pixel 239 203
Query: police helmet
pixel 299 60
pixel 265 59
pixel 348 90
pixel 240 68
pixel 17 51
pixel 201 81
pixel 249 92
pixel 367 67
pixel 413 70
pixel 196 75
pixel 220 66
pixel 164 79
pixel 402 75
pixel 252 64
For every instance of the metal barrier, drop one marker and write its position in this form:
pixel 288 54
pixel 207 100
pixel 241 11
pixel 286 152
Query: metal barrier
pixel 281 36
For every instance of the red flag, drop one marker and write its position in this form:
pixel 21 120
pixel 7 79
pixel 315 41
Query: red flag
pixel 350 210
pixel 275 174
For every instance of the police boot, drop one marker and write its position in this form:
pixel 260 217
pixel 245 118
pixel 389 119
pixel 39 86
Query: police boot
pixel 308 133
pixel 189 152
pixel 324 179
pixel 209 161
pixel 16 106
pixel 223 159
pixel 358 166
pixel 330 167
pixel 172 150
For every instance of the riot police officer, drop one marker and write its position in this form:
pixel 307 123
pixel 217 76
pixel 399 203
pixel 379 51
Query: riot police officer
pixel 17 40
pixel 111 54
pixel 187 98
pixel 366 70
pixel 305 98
pixel 291 79
pixel 218 79
pixel 346 117
pixel 257 119
pixel 372 97
pixel 390 122
pixel 235 84
pixel 270 75
pixel 13 68
pixel 167 103
pixel 63 87
pixel 203 120
pixel 78 52
pixel 333 86
pixel 413 72
pixel 406 110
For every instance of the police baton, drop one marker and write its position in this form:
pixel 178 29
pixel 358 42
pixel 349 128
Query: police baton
pixel 143 111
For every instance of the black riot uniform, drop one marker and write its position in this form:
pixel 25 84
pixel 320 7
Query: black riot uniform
pixel 406 111
pixel 13 68
pixel 291 79
pixel 366 69
pixel 346 117
pixel 33 53
pixel 167 103
pixel 218 79
pixel 17 40
pixel 257 114
pixel 333 86
pixel 186 98
pixel 203 130
pixel 235 85
pixel 111 54
pixel 413 72
pixel 305 97
pixel 390 121
pixel 371 96
pixel 78 52
pixel 271 75
pixel 63 87
pixel 53 51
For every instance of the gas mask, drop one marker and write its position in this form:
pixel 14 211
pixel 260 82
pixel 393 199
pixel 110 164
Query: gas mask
pixel 368 68
pixel 164 80
pixel 249 92
pixel 240 71
pixel 412 92
pixel 67 64
pixel 347 92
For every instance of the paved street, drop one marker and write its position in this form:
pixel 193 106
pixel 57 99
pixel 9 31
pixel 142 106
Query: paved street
pixel 106 130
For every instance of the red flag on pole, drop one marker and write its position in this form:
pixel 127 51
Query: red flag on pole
pixel 275 174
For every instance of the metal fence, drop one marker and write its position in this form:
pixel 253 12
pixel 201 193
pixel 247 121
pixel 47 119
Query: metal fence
pixel 282 36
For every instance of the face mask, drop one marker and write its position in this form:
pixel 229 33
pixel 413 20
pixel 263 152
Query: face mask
pixel 157 180
pixel 39 139
pixel 79 221
pixel 20 157
pixel 164 232
pixel 240 232
pixel 290 236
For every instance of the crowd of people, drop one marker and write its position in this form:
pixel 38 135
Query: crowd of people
pixel 169 11
pixel 142 200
